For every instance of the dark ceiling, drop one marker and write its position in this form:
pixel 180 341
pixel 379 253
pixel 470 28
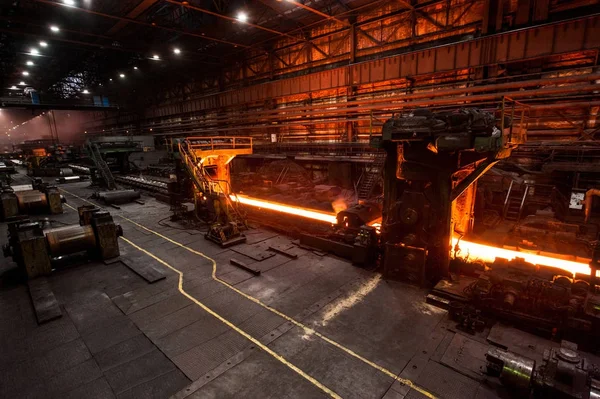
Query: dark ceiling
pixel 99 40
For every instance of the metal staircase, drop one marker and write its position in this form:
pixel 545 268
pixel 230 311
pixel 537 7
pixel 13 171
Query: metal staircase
pixel 101 165
pixel 205 184
pixel 515 200
pixel 370 177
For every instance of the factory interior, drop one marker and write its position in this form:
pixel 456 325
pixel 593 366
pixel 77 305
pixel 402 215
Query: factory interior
pixel 370 199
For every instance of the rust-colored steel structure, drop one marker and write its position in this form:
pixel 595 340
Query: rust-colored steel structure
pixel 345 75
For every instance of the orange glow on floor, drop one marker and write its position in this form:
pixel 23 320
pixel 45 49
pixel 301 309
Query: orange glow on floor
pixel 488 253
pixel 289 209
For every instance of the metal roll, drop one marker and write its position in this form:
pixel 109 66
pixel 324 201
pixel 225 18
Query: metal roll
pixel 68 179
pixel 31 200
pixel 118 197
pixel 68 240
pixel 514 370
pixel 66 172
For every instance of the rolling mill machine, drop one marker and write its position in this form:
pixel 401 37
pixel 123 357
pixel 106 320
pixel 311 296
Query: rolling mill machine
pixel 418 234
pixel 433 162
pixel 40 199
pixel 35 245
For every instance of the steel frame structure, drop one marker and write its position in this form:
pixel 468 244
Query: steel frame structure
pixel 344 68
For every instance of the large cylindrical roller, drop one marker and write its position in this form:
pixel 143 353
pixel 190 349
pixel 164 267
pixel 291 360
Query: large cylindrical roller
pixel 31 201
pixel 68 240
pixel 117 197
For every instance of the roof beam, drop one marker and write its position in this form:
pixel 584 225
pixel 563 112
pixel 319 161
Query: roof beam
pixel 228 18
pixel 280 13
pixel 87 44
pixel 136 12
pixel 319 13
pixel 149 25
pixel 421 13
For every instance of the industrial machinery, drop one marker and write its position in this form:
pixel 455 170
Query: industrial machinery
pixel 80 169
pixel 7 168
pixel 117 197
pixel 353 235
pixel 353 218
pixel 207 161
pixel 225 234
pixel 42 198
pixel 433 160
pixel 71 179
pixel 564 373
pixel 547 300
pixel 34 246
pixel 156 186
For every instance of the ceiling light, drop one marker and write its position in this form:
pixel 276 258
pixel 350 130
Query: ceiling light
pixel 34 51
pixel 122 75
pixel 242 16
pixel 177 51
pixel 69 2
pixel 110 79
pixel 135 68
pixel 85 92
pixel 22 83
pixel 25 73
pixel 54 28
pixel 155 57
pixel 13 87
pixel 43 44
pixel 30 63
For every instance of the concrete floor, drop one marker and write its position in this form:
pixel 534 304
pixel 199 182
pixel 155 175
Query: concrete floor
pixel 314 326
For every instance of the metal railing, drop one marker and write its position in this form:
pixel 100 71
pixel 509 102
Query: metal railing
pixel 218 143
pixel 518 113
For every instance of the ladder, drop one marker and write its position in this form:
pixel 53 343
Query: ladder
pixel 205 184
pixel 101 165
pixel 515 200
pixel 370 177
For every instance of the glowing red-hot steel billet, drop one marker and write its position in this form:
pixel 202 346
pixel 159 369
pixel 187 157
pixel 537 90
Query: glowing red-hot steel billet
pixel 289 209
pixel 488 253
pixel 473 250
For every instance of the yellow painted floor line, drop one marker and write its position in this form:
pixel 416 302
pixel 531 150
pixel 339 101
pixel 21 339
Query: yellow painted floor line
pixel 229 324
pixel 308 330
